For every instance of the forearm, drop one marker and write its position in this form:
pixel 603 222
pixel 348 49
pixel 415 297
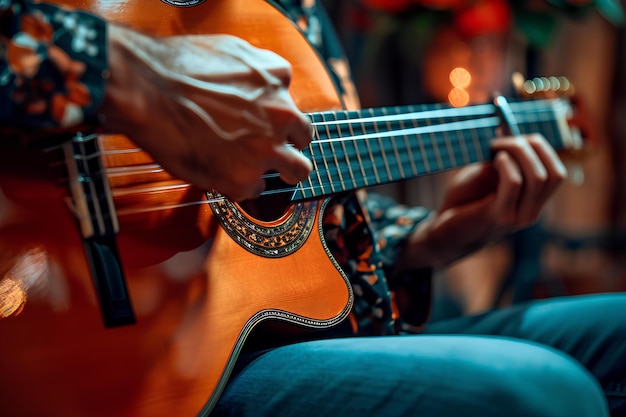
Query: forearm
pixel 427 248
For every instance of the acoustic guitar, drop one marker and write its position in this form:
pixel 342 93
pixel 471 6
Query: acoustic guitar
pixel 126 292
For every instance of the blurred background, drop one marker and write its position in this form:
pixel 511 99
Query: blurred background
pixel 414 51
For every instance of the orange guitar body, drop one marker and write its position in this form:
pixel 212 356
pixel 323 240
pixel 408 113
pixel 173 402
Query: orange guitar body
pixel 196 292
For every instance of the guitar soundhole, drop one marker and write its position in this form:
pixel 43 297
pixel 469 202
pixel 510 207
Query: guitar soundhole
pixel 271 225
pixel 273 202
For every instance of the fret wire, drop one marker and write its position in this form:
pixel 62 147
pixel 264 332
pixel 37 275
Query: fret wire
pixel 487 133
pixel 529 126
pixel 370 119
pixel 394 147
pixel 541 121
pixel 467 146
pixel 477 146
pixel 448 145
pixel 358 154
pixel 422 146
pixel 536 107
pixel 427 112
pixel 432 111
pixel 433 128
pixel 555 112
pixel 407 144
pixel 484 132
pixel 461 154
pixel 563 133
pixel 314 160
pixel 320 145
pixel 435 145
pixel 445 156
pixel 535 126
pixel 334 153
pixel 545 116
pixel 551 135
pixel 534 114
pixel 461 151
pixel 454 143
pixel 548 132
pixel 432 153
pixel 308 152
pixel 345 154
pixel 473 136
pixel 371 157
pixel 479 129
pixel 325 149
pixel 532 107
pixel 353 157
pixel 382 148
pixel 464 151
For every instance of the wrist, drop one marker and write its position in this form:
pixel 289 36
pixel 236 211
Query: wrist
pixel 122 105
pixel 430 246
pixel 420 249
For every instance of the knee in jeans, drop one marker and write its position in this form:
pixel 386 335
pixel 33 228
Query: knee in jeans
pixel 553 384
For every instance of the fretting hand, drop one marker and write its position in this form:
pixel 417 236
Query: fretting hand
pixel 485 202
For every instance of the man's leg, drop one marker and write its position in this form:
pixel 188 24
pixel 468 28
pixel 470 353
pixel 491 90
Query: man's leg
pixel 402 376
pixel 592 329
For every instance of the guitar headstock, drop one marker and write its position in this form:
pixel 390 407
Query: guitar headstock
pixel 576 119
pixel 542 87
pixel 553 87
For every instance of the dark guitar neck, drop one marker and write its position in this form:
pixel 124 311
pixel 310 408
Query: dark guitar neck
pixel 357 149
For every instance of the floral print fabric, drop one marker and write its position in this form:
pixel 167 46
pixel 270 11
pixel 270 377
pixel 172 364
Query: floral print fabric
pixel 52 67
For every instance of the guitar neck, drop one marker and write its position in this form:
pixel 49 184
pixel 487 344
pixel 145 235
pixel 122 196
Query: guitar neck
pixel 364 148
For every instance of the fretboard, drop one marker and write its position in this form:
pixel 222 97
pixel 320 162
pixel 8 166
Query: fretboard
pixel 357 149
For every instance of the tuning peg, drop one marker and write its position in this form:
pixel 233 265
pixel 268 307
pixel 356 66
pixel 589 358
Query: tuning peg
pixel 542 87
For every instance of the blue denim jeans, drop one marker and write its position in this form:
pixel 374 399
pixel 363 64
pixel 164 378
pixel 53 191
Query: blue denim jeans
pixel 557 357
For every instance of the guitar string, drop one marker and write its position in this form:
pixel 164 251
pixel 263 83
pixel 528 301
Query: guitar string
pixel 152 167
pixel 293 189
pixel 532 115
pixel 138 169
pixel 441 127
pixel 321 170
pixel 290 190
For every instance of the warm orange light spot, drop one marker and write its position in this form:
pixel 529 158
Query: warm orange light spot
pixel 12 298
pixel 28 270
pixel 458 97
pixel 460 77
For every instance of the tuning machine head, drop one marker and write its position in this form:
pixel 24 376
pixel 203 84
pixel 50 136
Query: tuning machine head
pixel 542 87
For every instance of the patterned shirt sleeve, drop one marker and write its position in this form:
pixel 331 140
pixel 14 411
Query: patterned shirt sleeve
pixel 52 70
pixel 391 223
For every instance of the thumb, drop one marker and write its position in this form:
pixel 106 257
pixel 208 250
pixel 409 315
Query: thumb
pixel 292 165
